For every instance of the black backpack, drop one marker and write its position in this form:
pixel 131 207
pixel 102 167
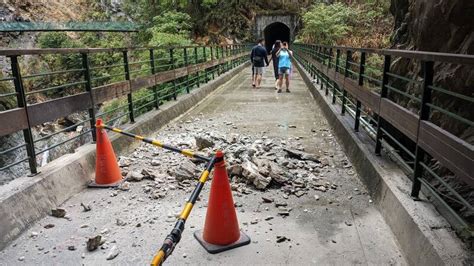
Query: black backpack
pixel 257 60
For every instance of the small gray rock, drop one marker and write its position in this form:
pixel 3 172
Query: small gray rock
pixel 125 186
pixel 93 243
pixel 148 174
pixel 300 155
pixel 134 176
pixel 203 142
pixel 113 253
pixel 60 213
pixel 86 207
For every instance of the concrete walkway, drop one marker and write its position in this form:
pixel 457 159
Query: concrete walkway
pixel 343 227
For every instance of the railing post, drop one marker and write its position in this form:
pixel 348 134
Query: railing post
pixel 129 96
pixel 325 58
pixel 153 71
pixel 321 72
pixel 234 60
pixel 383 94
pixel 196 62
pixel 231 62
pixel 21 102
pixel 318 54
pixel 329 58
pixel 428 73
pixel 361 83
pixel 223 57
pixel 226 54
pixel 218 67
pixel 338 54
pixel 346 74
pixel 212 59
pixel 186 65
pixel 175 95
pixel 205 60
pixel 232 52
pixel 88 85
pixel 312 52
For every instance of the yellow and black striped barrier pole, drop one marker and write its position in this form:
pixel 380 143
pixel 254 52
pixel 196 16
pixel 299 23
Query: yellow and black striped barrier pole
pixel 157 143
pixel 175 236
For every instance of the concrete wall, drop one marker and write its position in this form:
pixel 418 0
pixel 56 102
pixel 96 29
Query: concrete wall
pixel 262 21
pixel 424 236
pixel 27 199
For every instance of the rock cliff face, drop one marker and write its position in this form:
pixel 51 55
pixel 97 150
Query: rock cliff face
pixel 445 26
pixel 438 26
pixel 434 25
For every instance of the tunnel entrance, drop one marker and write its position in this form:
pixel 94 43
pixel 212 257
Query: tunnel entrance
pixel 276 31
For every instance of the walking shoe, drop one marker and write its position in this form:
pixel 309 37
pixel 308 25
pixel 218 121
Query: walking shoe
pixel 279 91
pixel 287 90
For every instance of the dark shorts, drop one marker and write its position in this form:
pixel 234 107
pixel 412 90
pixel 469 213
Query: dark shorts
pixel 284 71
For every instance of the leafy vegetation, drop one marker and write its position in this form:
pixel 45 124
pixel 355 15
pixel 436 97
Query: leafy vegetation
pixel 170 28
pixel 348 23
pixel 7 102
pixel 326 24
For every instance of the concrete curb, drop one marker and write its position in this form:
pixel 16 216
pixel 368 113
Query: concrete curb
pixel 424 236
pixel 27 199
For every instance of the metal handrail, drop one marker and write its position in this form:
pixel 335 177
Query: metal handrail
pixel 27 115
pixel 430 141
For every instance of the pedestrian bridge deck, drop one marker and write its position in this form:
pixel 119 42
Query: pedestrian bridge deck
pixel 342 227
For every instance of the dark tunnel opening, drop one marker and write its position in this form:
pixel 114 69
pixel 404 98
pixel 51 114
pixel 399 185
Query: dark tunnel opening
pixel 276 31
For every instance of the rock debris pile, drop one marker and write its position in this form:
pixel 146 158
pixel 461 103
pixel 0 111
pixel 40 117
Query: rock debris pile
pixel 253 163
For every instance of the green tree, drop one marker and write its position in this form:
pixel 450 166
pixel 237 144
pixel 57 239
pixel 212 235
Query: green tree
pixel 170 28
pixel 56 40
pixel 326 24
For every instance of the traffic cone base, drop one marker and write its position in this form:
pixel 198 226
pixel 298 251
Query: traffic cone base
pixel 94 184
pixel 213 249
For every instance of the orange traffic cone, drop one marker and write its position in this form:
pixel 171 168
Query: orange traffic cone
pixel 107 171
pixel 221 229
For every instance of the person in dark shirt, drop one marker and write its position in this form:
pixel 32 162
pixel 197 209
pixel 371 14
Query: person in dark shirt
pixel 259 60
pixel 275 49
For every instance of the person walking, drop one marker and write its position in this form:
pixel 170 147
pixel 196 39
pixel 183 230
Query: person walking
pixel 276 47
pixel 284 65
pixel 259 60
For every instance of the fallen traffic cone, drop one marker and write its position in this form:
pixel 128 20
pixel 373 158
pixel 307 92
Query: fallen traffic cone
pixel 221 228
pixel 107 171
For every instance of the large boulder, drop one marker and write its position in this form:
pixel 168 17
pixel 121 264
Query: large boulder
pixel 185 171
pixel 203 142
pixel 263 166
pixel 277 173
pixel 301 155
pixel 271 169
pixel 235 170
pixel 134 176
pixel 251 173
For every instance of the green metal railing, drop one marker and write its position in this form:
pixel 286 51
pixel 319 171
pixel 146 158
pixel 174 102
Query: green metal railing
pixel 129 81
pixel 369 89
